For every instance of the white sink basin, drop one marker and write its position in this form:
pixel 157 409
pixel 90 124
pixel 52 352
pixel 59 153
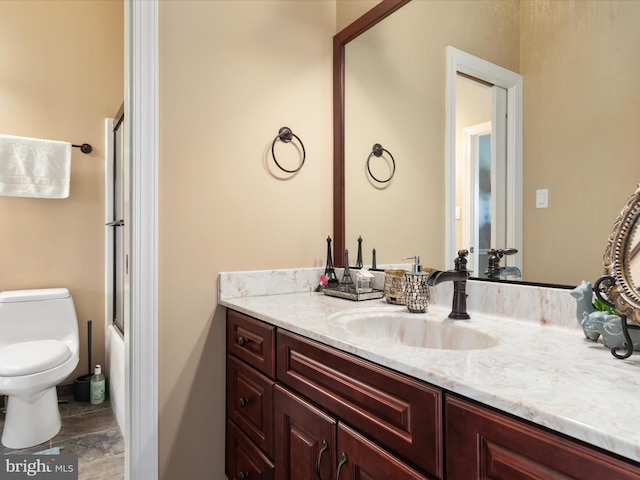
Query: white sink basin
pixel 399 328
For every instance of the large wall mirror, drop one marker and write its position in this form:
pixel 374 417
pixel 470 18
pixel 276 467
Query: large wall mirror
pixel 580 114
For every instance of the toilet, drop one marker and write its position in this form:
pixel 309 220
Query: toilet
pixel 38 350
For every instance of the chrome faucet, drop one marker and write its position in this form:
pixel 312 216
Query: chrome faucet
pixel 458 276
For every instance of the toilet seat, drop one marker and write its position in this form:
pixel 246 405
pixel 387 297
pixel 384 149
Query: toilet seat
pixel 26 358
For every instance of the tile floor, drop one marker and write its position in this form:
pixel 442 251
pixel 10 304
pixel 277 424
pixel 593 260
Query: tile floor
pixel 89 431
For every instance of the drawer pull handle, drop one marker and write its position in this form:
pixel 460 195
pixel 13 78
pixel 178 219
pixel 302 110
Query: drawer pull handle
pixel 244 402
pixel 242 341
pixel 324 448
pixel 243 475
pixel 343 460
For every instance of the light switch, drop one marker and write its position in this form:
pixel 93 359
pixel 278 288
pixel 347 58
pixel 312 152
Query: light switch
pixel 542 198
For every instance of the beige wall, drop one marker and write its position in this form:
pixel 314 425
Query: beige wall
pixel 231 74
pixel 581 130
pixel 61 75
pixel 349 10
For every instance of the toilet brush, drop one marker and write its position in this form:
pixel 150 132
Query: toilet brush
pixel 89 338
pixel 81 386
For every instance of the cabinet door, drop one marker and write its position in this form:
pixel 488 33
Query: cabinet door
pixel 244 459
pixel 483 444
pixel 305 446
pixel 360 459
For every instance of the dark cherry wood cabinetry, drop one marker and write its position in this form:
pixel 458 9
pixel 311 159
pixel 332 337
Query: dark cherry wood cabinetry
pixel 322 412
pixel 250 383
pixel 400 413
pixel 306 446
pixel 252 341
pixel 245 461
pixel 312 445
pixel 300 410
pixel 250 403
pixel 484 444
pixel 361 459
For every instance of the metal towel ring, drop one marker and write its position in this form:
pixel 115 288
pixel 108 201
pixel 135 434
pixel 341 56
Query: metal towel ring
pixel 377 151
pixel 286 135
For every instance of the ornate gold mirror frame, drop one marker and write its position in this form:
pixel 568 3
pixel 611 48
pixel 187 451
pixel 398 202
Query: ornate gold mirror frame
pixel 621 253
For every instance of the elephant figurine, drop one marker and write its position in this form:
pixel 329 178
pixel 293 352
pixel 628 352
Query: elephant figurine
pixel 613 336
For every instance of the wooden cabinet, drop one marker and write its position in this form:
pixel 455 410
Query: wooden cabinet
pixel 250 383
pixel 484 444
pixel 402 414
pixel 300 410
pixel 312 445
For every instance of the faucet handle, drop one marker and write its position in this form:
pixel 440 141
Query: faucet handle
pixel 461 261
pixel 501 252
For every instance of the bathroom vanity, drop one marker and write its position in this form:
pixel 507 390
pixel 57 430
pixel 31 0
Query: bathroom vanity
pixel 310 398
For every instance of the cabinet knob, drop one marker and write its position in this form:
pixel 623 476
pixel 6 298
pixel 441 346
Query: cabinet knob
pixel 343 460
pixel 243 475
pixel 244 402
pixel 242 341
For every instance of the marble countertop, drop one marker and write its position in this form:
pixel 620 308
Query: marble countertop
pixel 546 374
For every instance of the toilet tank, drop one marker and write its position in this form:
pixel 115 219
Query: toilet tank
pixel 37 314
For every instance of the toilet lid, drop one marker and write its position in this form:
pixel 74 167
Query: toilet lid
pixel 25 358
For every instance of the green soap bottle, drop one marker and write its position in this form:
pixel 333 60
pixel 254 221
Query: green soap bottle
pixel 97 387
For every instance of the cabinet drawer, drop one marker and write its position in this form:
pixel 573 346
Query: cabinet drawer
pixel 483 444
pixel 244 459
pixel 252 341
pixel 250 402
pixel 401 413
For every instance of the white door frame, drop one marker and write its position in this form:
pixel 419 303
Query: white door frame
pixel 459 61
pixel 141 328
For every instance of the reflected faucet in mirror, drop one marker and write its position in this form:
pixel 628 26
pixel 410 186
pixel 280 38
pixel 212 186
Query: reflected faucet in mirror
pixel 494 270
pixel 458 276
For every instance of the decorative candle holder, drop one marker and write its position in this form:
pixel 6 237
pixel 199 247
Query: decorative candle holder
pixel 416 292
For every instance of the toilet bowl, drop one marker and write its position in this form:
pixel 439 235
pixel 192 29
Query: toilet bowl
pixel 38 350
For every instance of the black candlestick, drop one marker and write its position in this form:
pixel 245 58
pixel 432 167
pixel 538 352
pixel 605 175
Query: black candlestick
pixel 359 259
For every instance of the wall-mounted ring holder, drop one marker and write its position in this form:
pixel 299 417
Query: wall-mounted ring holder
pixel 285 135
pixel 84 148
pixel 377 152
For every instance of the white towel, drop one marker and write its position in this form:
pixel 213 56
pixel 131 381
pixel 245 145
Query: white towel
pixel 30 167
